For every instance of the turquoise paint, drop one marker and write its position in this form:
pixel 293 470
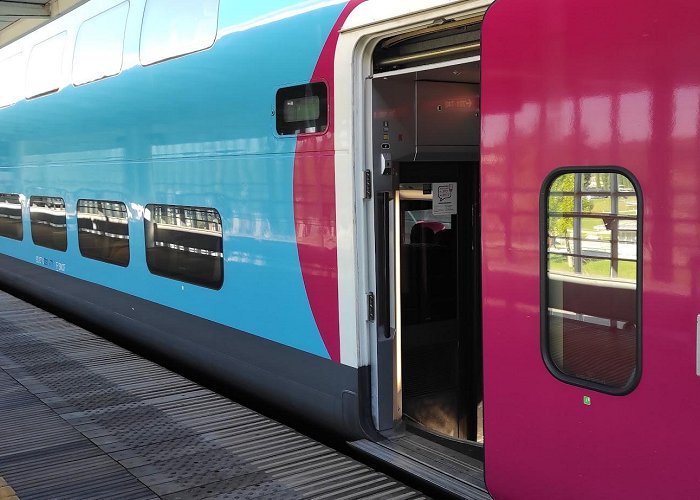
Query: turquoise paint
pixel 197 130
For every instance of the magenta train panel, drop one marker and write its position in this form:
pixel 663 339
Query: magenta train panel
pixel 314 206
pixel 590 84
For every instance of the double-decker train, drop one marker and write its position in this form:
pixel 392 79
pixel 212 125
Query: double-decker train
pixel 429 225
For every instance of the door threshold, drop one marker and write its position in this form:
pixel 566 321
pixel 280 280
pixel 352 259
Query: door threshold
pixel 437 466
pixel 471 449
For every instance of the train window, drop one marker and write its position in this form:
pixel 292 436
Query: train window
pixel 99 45
pixel 44 67
pixel 185 244
pixel 302 109
pixel 12 81
pixel 11 216
pixel 48 218
pixel 172 28
pixel 103 231
pixel 591 279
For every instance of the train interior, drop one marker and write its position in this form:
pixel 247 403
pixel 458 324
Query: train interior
pixel 426 132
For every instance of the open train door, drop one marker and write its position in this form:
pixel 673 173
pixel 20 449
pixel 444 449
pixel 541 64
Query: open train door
pixel 591 248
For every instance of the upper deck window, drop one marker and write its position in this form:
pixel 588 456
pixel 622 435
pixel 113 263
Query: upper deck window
pixel 302 109
pixel 99 45
pixel 591 250
pixel 12 80
pixel 173 28
pixel 44 67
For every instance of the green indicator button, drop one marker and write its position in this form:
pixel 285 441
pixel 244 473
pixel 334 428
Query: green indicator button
pixel 587 400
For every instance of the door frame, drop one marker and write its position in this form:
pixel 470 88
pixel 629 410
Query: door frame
pixel 366 26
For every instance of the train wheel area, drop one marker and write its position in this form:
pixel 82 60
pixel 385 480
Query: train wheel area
pixel 84 418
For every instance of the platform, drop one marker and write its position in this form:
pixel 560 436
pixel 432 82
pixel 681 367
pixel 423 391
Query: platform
pixel 83 418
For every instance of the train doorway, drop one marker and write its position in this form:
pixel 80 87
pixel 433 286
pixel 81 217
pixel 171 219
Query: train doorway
pixel 428 377
pixel 437 263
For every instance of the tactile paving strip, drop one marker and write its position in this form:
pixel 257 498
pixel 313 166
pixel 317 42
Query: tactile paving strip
pixel 83 418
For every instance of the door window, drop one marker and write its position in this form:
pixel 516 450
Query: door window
pixel 591 250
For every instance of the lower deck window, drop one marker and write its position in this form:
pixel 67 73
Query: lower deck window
pixel 185 243
pixel 103 231
pixel 591 317
pixel 11 216
pixel 48 218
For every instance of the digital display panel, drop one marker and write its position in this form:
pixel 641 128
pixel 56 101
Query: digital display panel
pixel 302 109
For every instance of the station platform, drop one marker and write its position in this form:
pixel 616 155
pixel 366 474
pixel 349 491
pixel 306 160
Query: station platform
pixel 83 418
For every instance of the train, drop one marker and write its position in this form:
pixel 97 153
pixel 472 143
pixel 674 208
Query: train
pixel 436 228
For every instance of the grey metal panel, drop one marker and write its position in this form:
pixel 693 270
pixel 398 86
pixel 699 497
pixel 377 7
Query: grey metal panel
pixel 427 120
pixel 447 114
pixel 285 377
pixel 83 418
pixel 393 108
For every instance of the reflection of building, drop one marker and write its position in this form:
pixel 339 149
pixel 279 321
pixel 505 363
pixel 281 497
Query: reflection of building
pixel 599 213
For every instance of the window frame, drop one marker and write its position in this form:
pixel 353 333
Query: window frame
pixel 544 283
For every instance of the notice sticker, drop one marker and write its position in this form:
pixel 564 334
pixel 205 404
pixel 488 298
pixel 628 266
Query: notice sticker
pixel 444 198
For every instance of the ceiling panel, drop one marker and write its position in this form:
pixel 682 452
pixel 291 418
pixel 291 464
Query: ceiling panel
pixel 20 17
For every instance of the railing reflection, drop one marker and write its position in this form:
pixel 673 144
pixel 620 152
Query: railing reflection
pixel 103 231
pixel 48 219
pixel 11 216
pixel 185 243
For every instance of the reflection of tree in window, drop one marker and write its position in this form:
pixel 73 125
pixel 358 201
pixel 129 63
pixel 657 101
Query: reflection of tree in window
pixel 591 250
pixel 592 225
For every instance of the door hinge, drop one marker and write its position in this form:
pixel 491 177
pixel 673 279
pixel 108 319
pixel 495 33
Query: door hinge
pixel 368 185
pixel 370 306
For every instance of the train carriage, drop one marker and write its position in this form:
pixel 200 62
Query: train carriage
pixel 469 224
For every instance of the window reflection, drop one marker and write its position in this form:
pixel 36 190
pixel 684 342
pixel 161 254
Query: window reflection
pixel 173 28
pixel 591 248
pixel 44 66
pixel 48 219
pixel 597 132
pixel 635 116
pixel 185 243
pixel 11 216
pixel 12 81
pixel 99 45
pixel 103 231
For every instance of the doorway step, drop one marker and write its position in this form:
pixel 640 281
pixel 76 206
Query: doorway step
pixel 441 468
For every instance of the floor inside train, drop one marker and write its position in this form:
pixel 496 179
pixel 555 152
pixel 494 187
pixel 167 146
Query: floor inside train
pixel 83 418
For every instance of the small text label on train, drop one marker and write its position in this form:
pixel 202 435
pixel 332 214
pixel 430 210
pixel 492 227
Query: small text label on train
pixel 51 264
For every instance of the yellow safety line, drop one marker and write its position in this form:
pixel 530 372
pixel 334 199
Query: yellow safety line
pixel 6 491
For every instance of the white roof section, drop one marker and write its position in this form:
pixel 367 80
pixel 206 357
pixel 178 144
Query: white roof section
pixel 22 16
